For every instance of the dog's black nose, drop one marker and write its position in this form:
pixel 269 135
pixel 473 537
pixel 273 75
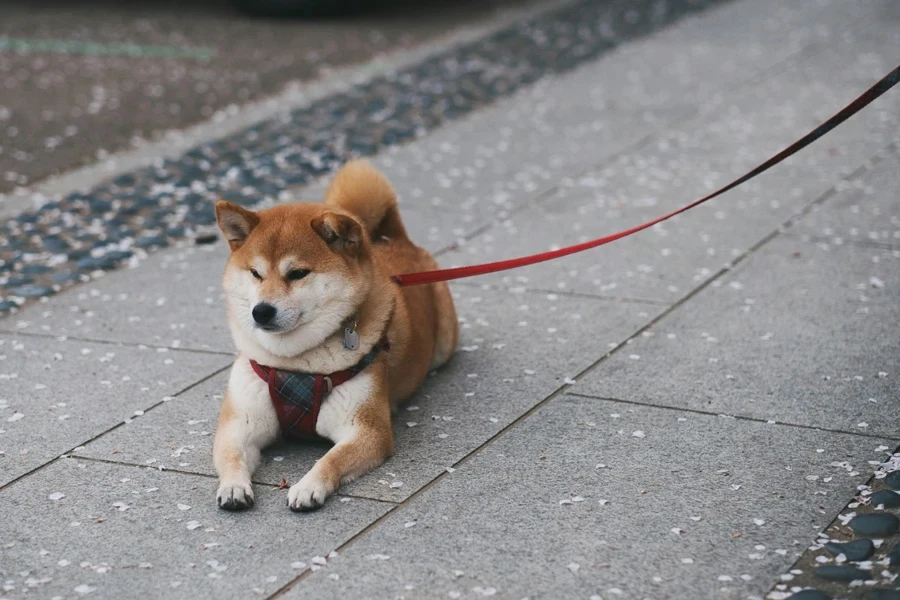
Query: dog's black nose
pixel 263 313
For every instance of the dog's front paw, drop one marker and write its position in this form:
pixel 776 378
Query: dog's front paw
pixel 309 493
pixel 235 496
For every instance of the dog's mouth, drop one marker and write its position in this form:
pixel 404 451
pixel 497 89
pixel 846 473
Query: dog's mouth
pixel 280 327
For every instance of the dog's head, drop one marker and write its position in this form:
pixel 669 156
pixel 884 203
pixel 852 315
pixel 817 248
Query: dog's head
pixel 295 274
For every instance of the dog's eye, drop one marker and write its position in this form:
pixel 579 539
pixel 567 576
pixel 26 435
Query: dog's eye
pixel 297 274
pixel 256 274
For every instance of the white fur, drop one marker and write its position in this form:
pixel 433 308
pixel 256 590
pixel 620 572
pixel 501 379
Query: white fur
pixel 313 309
pixel 336 417
pixel 249 395
pixel 260 266
pixel 286 265
pixel 254 427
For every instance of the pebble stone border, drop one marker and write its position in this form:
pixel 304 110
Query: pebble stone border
pixel 858 555
pixel 84 234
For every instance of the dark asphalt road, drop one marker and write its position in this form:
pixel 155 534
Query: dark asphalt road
pixel 70 92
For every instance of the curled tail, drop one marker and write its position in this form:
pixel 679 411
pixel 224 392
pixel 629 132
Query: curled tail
pixel 363 191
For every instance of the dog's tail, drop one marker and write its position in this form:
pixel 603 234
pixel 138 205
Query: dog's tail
pixel 362 190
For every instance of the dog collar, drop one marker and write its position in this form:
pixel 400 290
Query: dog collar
pixel 297 397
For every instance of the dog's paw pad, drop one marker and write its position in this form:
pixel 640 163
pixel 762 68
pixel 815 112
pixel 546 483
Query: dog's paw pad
pixel 307 494
pixel 235 496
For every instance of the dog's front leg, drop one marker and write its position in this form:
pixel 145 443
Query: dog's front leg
pixel 357 418
pixel 247 424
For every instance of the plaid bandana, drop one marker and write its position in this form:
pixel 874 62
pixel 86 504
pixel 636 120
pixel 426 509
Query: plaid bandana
pixel 297 397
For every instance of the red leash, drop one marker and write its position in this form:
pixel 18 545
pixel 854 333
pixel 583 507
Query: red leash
pixel 851 109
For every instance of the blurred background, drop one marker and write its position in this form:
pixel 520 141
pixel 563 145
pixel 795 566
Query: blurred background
pixel 81 79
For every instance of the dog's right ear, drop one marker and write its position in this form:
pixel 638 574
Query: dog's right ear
pixel 236 222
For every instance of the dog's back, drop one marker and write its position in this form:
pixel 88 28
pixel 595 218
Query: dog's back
pixel 364 192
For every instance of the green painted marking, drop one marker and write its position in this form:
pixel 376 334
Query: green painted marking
pixel 38 46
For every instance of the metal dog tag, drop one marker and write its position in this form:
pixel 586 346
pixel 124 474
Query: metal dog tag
pixel 351 339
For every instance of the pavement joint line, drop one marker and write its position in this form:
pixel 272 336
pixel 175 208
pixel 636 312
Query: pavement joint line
pixel 110 429
pixel 132 465
pixel 563 390
pixel 296 94
pixel 259 484
pixel 88 340
pixel 729 416
pixel 566 293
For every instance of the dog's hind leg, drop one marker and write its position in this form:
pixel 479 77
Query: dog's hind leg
pixel 247 424
pixel 357 417
pixel 447 334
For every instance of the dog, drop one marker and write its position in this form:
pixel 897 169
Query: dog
pixel 312 310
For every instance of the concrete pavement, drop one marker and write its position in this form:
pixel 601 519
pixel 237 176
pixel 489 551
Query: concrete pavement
pixel 681 414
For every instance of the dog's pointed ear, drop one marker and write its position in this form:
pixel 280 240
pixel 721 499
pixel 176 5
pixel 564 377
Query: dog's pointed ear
pixel 236 222
pixel 342 233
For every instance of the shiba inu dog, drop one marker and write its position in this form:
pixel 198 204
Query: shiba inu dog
pixel 327 342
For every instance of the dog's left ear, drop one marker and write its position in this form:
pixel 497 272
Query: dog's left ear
pixel 236 222
pixel 341 233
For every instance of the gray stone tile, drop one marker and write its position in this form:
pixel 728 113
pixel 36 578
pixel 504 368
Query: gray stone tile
pixel 58 394
pixel 125 532
pixel 505 156
pixel 668 260
pixel 699 506
pixel 800 333
pixel 866 209
pixel 174 298
pixel 516 349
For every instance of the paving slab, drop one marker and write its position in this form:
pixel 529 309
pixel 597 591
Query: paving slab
pixel 866 210
pixel 516 349
pixel 56 394
pixel 682 506
pixel 799 333
pixel 687 161
pixel 501 157
pixel 87 529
